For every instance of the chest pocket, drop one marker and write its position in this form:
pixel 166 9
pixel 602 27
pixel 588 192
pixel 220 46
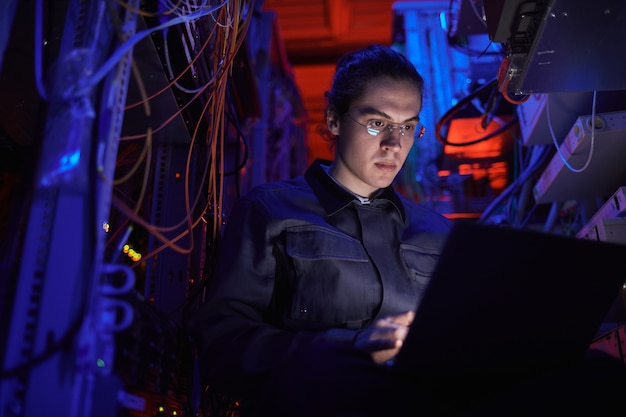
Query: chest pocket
pixel 331 276
pixel 420 262
pixel 319 243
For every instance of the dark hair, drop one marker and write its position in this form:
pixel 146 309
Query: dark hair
pixel 355 69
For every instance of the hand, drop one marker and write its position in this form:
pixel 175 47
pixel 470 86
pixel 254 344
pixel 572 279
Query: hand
pixel 384 338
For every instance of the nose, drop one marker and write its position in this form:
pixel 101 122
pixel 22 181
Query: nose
pixel 392 140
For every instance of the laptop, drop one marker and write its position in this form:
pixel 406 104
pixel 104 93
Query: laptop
pixel 505 304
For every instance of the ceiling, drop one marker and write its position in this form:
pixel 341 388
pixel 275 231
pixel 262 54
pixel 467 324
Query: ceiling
pixel 315 33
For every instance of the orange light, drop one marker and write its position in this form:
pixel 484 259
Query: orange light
pixel 467 130
pixel 485 159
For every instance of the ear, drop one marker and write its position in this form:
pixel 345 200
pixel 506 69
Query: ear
pixel 332 121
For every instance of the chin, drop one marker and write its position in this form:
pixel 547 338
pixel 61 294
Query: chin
pixel 383 183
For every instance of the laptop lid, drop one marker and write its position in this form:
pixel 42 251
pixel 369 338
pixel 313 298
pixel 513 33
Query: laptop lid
pixel 511 301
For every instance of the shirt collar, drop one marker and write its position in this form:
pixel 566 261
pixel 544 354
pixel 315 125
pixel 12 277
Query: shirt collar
pixel 334 198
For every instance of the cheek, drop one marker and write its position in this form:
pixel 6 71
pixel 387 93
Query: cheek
pixel 360 147
pixel 407 147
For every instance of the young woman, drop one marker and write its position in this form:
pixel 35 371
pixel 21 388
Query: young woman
pixel 332 257
pixel 319 277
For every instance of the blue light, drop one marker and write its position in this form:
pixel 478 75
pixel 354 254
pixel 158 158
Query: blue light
pixel 443 21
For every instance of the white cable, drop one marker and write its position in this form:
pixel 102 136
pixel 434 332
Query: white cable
pixel 593 136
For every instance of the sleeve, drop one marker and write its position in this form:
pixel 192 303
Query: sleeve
pixel 237 345
pixel 236 348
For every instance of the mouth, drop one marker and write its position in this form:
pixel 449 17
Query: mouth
pixel 386 166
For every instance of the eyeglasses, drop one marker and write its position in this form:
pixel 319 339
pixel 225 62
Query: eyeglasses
pixel 376 126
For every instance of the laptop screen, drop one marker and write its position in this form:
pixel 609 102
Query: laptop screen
pixel 518 300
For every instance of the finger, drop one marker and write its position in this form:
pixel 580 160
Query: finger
pixel 378 344
pixel 393 332
pixel 405 318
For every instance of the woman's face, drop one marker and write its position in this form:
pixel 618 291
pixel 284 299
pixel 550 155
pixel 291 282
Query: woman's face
pixel 363 162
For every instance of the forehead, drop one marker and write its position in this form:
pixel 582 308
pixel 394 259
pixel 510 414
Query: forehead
pixel 400 99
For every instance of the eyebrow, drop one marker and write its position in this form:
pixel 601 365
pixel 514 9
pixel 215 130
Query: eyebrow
pixel 374 111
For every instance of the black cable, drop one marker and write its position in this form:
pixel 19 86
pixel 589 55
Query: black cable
pixel 449 115
pixel 232 118
pixel 525 176
pixel 65 342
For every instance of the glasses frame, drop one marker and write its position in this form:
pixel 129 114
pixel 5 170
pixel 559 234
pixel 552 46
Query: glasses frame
pixel 420 129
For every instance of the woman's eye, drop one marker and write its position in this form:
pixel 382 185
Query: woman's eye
pixel 377 123
pixel 408 128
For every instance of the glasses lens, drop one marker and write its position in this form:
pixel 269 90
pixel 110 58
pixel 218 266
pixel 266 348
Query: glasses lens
pixel 372 130
pixel 374 127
